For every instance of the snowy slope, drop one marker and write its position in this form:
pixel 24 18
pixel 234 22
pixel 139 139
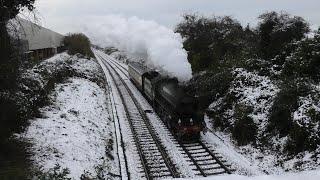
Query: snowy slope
pixel 308 175
pixel 74 131
pixel 258 93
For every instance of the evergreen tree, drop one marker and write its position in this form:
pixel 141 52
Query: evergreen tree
pixel 276 30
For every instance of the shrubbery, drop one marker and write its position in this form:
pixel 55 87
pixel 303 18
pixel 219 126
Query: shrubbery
pixel 301 138
pixel 213 42
pixel 244 130
pixel 278 48
pixel 304 62
pixel 78 43
pixel 285 103
pixel 276 30
pixel 10 61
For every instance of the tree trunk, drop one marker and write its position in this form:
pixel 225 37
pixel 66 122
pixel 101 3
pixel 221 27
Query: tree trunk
pixel 8 61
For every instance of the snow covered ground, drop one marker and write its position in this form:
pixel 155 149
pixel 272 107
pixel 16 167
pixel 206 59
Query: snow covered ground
pixel 75 130
pixel 308 175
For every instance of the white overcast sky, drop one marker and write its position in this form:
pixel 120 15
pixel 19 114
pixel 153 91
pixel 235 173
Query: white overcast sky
pixel 65 15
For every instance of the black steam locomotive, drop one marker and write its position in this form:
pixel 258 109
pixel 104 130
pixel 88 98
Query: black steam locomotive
pixel 178 110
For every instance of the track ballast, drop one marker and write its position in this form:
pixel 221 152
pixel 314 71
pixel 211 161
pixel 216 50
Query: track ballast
pixel 155 162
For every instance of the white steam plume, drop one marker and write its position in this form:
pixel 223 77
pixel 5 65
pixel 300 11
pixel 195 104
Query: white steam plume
pixel 158 45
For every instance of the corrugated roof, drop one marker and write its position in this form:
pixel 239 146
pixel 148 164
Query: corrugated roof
pixel 39 37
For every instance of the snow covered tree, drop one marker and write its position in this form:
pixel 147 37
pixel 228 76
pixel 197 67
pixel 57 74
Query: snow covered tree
pixel 78 43
pixel 304 61
pixel 8 63
pixel 211 42
pixel 278 29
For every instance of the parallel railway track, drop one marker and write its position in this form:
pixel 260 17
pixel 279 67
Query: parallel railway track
pixel 203 160
pixel 155 162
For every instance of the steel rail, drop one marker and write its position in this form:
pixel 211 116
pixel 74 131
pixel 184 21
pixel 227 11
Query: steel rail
pixel 168 162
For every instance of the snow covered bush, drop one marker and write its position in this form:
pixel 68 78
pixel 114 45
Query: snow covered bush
pixel 276 30
pixel 304 61
pixel 209 86
pixel 78 43
pixel 244 109
pixel 280 118
pixel 244 130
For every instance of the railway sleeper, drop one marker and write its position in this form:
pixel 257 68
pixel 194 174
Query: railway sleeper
pixel 163 169
pixel 155 154
pixel 139 123
pixel 146 140
pixel 157 165
pixel 144 135
pixel 194 147
pixel 149 147
pixel 146 145
pixel 160 161
pixel 209 168
pixel 202 154
pixel 203 158
pixel 146 150
pixel 140 126
pixel 161 174
pixel 210 162
pixel 190 144
pixel 197 151
pixel 143 132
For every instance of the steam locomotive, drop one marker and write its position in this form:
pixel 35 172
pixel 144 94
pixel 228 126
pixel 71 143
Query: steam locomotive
pixel 177 110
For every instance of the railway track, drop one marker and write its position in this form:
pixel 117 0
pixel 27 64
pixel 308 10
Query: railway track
pixel 155 162
pixel 203 160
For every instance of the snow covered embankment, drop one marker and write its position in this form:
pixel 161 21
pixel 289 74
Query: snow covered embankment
pixel 257 93
pixel 73 132
pixel 307 175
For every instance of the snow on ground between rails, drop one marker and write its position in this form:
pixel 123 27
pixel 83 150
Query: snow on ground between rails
pixel 133 159
pixel 74 130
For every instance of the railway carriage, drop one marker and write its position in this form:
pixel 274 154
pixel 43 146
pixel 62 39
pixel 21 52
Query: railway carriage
pixel 136 72
pixel 177 110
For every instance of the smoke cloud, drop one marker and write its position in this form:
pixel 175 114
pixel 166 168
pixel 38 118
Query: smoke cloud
pixel 159 46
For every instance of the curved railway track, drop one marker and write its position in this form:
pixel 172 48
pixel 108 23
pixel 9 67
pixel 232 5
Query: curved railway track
pixel 154 159
pixel 203 160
